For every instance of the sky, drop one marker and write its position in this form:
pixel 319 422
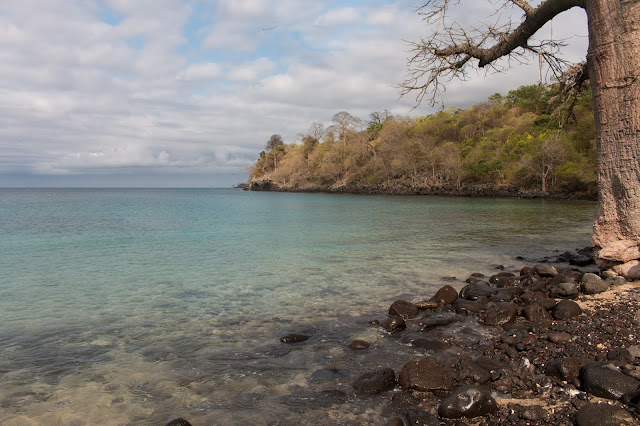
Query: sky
pixel 185 93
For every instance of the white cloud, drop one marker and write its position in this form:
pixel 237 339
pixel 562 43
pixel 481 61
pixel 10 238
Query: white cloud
pixel 80 95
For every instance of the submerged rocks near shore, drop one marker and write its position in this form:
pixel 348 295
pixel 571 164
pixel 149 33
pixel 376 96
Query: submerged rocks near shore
pixel 554 347
pixel 543 345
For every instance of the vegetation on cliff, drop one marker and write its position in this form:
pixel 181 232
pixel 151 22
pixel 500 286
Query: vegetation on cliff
pixel 521 141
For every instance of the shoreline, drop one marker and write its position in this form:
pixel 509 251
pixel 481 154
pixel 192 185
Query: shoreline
pixel 544 345
pixel 479 190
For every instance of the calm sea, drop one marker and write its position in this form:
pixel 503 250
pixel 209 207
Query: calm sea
pixel 136 306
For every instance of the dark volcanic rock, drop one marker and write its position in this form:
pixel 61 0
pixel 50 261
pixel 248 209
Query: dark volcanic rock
pixel 501 313
pixel 396 421
pixel 403 309
pixel 547 303
pixel 438 320
pixel 545 271
pixel 467 371
pixel 476 291
pixel 178 422
pixel 565 368
pixel 467 306
pixel 425 374
pixel 375 382
pixel 430 344
pixel 446 295
pixel 535 313
pixel 564 290
pixel 566 309
pixel 359 345
pixel 593 284
pixel 606 381
pixel 393 323
pixel 533 413
pixel 468 401
pixel 619 354
pixel 294 338
pixel 602 414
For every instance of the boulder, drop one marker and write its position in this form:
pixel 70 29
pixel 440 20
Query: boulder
pixel 430 344
pixel 545 271
pixel 438 320
pixel 536 313
pixel 615 281
pixel 375 382
pixel 425 374
pixel 446 295
pixel 602 414
pixel 393 323
pixel 403 309
pixel 629 270
pixel 476 291
pixel 501 313
pixel 468 401
pixel 567 369
pixel 564 290
pixel 467 306
pixel 566 309
pixel 593 284
pixel 606 381
pixel 547 303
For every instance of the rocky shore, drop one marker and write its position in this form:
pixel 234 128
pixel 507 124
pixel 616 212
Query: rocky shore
pixel 443 189
pixel 542 345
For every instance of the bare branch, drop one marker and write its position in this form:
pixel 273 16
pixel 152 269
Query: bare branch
pixel 448 52
pixel 522 4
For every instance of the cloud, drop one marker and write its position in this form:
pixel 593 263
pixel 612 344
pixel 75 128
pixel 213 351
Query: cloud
pixel 186 88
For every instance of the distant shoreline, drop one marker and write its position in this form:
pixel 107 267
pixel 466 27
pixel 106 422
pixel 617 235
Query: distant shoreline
pixel 475 190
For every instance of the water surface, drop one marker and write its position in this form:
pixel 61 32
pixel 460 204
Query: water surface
pixel 137 306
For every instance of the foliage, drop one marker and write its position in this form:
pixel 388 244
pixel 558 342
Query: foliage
pixel 513 140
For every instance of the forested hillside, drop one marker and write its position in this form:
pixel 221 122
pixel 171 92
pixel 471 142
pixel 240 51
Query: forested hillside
pixel 521 144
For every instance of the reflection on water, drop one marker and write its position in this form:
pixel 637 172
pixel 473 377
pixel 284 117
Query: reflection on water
pixel 138 306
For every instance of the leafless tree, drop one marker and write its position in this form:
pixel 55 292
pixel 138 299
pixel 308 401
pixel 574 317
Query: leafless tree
pixel 612 67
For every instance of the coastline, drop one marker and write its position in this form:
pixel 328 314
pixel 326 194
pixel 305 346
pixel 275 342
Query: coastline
pixel 466 190
pixel 544 345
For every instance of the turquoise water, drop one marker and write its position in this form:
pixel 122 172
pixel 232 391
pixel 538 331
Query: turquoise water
pixel 137 306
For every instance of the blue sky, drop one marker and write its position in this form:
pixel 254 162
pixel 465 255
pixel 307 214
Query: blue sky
pixel 186 92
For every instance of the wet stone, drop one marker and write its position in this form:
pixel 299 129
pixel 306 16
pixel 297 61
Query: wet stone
pixel 603 414
pixel 403 309
pixel 393 323
pixel 375 382
pixel 359 345
pixel 446 295
pixel 606 381
pixel 468 401
pixel 465 370
pixel 327 375
pixel 401 401
pixel 501 313
pixel 294 338
pixel 476 291
pixel 430 344
pixel 467 306
pixel 566 369
pixel 566 309
pixel 545 271
pixel 533 413
pixel 438 320
pixel 425 374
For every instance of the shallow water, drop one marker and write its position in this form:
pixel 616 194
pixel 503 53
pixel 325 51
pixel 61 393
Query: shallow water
pixel 139 306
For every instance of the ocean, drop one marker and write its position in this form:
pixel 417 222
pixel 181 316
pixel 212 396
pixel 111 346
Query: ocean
pixel 137 306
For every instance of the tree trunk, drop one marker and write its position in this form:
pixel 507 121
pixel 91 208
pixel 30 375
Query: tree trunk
pixel 614 73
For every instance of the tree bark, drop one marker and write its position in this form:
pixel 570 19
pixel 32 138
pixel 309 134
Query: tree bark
pixel 614 72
